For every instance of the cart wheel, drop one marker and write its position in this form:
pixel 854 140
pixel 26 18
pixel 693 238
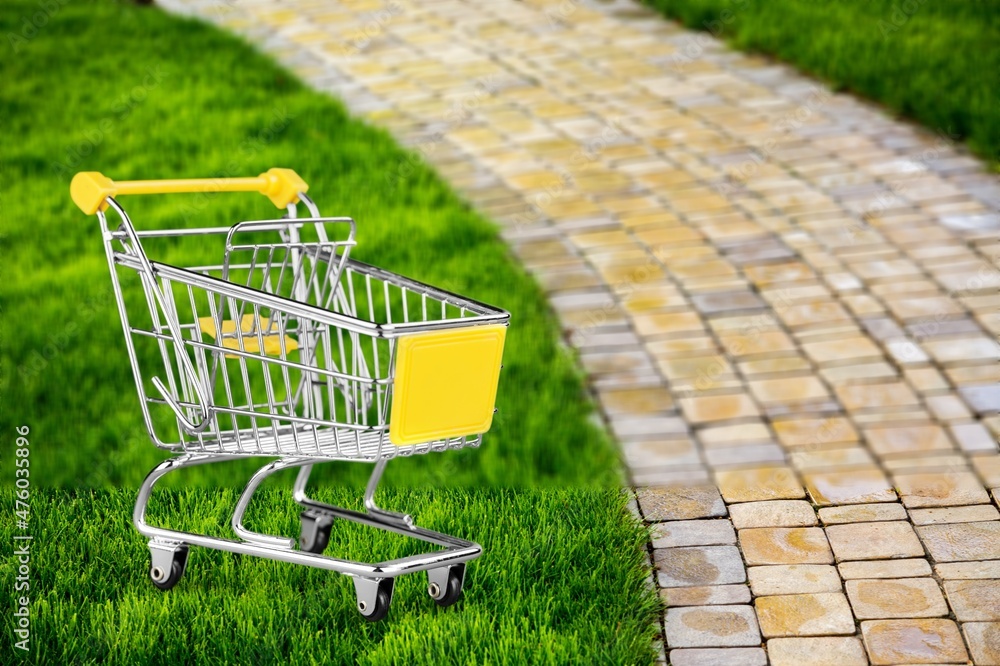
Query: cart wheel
pixel 380 608
pixel 315 536
pixel 164 575
pixel 446 591
pixel 374 597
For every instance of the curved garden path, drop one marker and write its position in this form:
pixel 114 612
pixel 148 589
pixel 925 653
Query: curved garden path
pixel 787 302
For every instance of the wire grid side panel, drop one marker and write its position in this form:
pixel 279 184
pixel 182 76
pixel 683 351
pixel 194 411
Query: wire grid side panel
pixel 300 260
pixel 278 383
pixel 384 298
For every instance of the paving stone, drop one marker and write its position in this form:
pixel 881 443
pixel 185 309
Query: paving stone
pixel 699 566
pixel 858 486
pixel 718 656
pixel 785 545
pixel 712 595
pixel 813 433
pixel 697 373
pixel 717 408
pixel 764 342
pixel 882 328
pixel 973 376
pixel 899 598
pixel 861 513
pixel 922 641
pixel 931 463
pixel 874 541
pixel 715 302
pixel 647 400
pixel 851 458
pixel 651 427
pixel 984 642
pixel 745 454
pixel 759 252
pixel 711 626
pixel 674 323
pixel 969 349
pixel 763 483
pixel 793 579
pixel 988 468
pixel 777 513
pixel 968 570
pixel 884 569
pixel 790 392
pixel 844 375
pixel 804 615
pixel 962 542
pixel 940 489
pixel 660 453
pixel 974 600
pixel 910 439
pixel 984 400
pixel 865 397
pixel 958 514
pixel 672 476
pixel 681 503
pixel 825 651
pixel 734 435
pixel 841 350
pixel 974 438
pixel 693 533
pixel 951 408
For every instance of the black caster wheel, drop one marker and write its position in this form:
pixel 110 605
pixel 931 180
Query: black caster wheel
pixel 315 536
pixel 380 608
pixel 443 591
pixel 374 607
pixel 164 572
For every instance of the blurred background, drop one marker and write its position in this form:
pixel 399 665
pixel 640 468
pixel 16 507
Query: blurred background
pixel 750 252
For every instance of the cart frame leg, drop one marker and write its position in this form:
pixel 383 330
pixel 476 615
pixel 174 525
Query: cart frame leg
pixel 380 516
pixel 454 550
pixel 244 502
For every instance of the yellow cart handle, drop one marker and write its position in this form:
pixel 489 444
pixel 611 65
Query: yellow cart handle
pixel 89 189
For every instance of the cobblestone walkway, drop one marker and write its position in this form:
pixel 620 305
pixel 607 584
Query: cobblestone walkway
pixel 787 303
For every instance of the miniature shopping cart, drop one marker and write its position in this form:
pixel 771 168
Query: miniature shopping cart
pixel 290 349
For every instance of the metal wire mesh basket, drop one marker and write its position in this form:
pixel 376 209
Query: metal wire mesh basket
pixel 288 347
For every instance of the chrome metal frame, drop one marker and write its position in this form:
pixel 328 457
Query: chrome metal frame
pixel 454 550
pixel 235 397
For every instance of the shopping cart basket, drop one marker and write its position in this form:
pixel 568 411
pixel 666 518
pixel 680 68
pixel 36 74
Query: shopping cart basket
pixel 290 349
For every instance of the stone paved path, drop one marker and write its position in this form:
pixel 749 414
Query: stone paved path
pixel 787 303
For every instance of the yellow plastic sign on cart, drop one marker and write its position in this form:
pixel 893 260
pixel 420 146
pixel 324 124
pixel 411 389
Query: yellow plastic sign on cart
pixel 446 384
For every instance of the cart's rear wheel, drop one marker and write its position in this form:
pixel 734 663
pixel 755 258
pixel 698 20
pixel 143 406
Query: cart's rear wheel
pixel 315 535
pixel 164 575
pixel 446 591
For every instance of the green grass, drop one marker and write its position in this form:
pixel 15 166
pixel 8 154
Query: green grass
pixel 135 93
pixel 69 376
pixel 936 62
pixel 552 588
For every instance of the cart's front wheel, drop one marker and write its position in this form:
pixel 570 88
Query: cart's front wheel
pixel 445 585
pixel 379 609
pixel 374 597
pixel 315 535
pixel 167 568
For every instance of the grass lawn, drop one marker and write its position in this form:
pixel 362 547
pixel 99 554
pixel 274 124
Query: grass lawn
pixel 557 585
pixel 936 62
pixel 135 93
